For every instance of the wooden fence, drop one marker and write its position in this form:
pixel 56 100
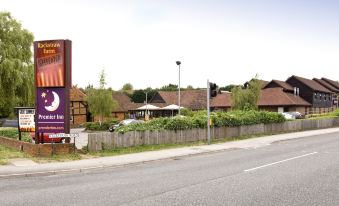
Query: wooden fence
pixel 108 140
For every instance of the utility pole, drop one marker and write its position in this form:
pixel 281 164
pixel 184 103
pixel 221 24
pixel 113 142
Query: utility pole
pixel 208 113
pixel 178 63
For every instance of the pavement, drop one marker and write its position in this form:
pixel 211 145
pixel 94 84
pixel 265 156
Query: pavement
pixel 28 170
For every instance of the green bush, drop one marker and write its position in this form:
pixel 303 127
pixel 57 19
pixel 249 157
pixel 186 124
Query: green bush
pixel 14 134
pixel 95 126
pixel 9 132
pixel 199 120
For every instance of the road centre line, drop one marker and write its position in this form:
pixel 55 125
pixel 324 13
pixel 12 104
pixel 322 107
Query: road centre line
pixel 285 160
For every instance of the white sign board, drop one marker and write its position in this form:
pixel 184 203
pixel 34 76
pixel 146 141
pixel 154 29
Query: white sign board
pixel 26 120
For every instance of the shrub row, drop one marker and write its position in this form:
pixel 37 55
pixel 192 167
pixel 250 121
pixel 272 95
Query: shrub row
pixel 95 126
pixel 199 120
pixel 13 133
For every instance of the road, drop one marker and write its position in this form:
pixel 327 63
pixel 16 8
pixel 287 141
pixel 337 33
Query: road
pixel 295 172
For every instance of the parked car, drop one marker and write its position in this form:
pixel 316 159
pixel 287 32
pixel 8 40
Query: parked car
pixel 293 115
pixel 124 123
pixel 47 139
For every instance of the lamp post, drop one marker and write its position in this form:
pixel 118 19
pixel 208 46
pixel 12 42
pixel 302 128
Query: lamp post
pixel 146 113
pixel 178 63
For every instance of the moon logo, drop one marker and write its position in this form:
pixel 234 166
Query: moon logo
pixel 55 104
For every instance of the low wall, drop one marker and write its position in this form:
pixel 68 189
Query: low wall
pixel 37 150
pixel 110 140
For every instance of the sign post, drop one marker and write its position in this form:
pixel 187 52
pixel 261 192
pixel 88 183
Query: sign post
pixel 52 68
pixel 25 119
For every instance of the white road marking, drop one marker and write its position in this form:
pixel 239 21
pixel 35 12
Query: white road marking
pixel 285 160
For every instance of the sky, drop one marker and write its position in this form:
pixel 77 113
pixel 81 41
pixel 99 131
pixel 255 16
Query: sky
pixel 227 42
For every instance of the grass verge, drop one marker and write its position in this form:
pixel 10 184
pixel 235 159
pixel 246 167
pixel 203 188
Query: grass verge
pixel 6 154
pixel 58 158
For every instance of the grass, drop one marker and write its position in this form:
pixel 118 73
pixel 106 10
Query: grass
pixel 58 158
pixel 6 154
pixel 325 115
pixel 13 133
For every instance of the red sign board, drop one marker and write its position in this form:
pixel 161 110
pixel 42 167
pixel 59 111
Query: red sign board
pixel 50 63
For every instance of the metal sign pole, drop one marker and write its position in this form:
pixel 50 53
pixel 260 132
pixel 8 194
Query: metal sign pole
pixel 208 113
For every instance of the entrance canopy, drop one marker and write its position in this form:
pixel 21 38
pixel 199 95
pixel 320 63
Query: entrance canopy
pixel 171 107
pixel 148 107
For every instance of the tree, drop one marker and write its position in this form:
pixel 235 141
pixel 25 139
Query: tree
pixel 127 88
pixel 247 99
pixel 16 68
pixel 139 96
pixel 169 87
pixel 189 87
pixel 100 100
pixel 229 87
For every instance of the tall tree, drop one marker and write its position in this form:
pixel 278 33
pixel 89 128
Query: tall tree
pixel 100 100
pixel 139 96
pixel 127 88
pixel 16 68
pixel 247 99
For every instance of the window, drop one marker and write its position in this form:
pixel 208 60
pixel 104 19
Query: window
pixel 315 96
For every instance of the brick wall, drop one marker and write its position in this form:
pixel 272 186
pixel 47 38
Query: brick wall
pixel 38 150
pixel 11 143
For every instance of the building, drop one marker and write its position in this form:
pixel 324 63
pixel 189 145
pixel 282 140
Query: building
pixel 79 107
pixel 190 99
pixel 314 93
pixel 277 99
pixel 334 87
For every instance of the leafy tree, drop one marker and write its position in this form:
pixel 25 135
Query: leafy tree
pixel 170 87
pixel 246 99
pixel 229 87
pixel 139 96
pixel 127 88
pixel 16 68
pixel 189 87
pixel 100 100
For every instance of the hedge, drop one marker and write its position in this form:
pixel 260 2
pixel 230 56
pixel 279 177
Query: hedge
pixel 199 120
pixel 95 126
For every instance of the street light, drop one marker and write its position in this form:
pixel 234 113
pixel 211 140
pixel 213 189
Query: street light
pixel 178 63
pixel 146 113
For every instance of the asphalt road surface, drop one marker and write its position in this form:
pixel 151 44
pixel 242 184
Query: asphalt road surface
pixel 296 172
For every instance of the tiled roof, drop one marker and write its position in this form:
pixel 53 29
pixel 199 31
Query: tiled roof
pixel 326 85
pixel 277 97
pixel 192 99
pixel 196 99
pixel 283 85
pixel 311 84
pixel 332 82
pixel 124 102
pixel 77 95
pixel 222 100
pixel 262 82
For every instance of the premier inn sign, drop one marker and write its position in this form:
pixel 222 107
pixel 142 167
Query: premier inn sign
pixel 52 66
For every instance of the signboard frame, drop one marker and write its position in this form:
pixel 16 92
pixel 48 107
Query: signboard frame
pixel 18 109
pixel 60 53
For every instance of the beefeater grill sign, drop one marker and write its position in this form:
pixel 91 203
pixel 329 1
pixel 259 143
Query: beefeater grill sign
pixel 50 70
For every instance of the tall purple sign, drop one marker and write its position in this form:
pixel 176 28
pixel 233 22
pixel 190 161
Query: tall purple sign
pixel 53 80
pixel 51 110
